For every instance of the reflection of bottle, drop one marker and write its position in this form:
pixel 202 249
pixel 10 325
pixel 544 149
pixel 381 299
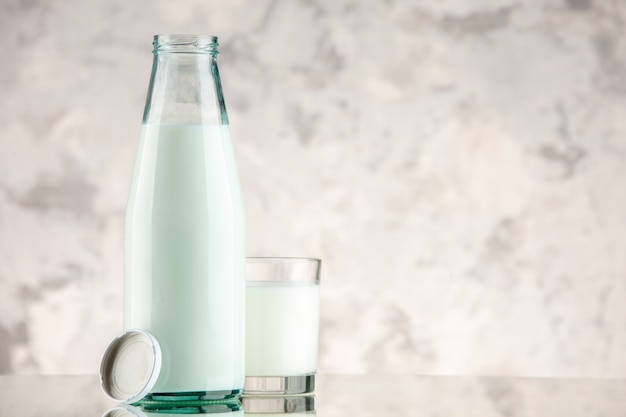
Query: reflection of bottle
pixel 185 225
pixel 215 410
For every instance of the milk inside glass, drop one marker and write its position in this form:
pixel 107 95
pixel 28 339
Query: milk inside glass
pixel 282 328
pixel 184 255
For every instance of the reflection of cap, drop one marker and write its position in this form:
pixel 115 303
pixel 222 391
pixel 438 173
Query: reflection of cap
pixel 130 367
pixel 124 411
pixel 278 405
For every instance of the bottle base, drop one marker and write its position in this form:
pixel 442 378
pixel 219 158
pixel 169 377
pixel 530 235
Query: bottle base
pixel 201 402
pixel 279 385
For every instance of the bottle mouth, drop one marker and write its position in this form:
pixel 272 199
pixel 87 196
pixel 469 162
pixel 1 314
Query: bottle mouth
pixel 185 44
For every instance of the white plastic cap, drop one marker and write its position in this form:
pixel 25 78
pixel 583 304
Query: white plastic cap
pixel 130 366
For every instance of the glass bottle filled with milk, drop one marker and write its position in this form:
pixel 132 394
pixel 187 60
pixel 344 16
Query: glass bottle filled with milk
pixel 184 251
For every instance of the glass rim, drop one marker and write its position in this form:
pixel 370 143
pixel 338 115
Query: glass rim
pixel 282 269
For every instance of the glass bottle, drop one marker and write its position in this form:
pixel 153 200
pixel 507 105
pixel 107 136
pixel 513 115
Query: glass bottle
pixel 184 243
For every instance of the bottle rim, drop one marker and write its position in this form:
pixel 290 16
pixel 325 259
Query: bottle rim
pixel 185 43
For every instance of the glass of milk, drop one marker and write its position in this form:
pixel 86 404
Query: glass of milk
pixel 282 325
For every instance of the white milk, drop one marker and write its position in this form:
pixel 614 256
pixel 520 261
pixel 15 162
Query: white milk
pixel 282 328
pixel 185 256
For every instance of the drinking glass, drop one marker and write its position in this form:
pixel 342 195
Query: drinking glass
pixel 282 325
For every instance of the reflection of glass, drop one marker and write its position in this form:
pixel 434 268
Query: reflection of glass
pixel 226 408
pixel 269 406
pixel 282 325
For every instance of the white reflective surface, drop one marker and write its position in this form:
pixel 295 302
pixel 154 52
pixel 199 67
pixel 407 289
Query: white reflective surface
pixel 359 395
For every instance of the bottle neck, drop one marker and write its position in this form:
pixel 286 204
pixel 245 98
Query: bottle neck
pixel 185 86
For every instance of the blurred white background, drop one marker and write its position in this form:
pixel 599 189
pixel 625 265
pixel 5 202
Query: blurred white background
pixel 457 165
